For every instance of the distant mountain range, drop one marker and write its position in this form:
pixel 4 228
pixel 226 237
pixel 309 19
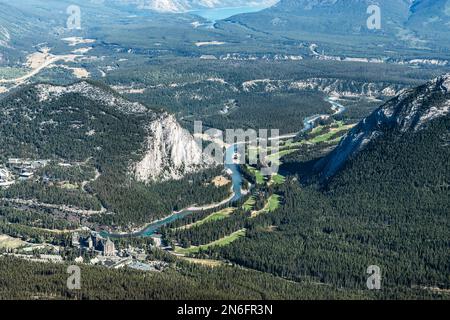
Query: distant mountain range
pixel 405 24
pixel 414 22
pixel 186 5
pixel 430 19
pixel 342 15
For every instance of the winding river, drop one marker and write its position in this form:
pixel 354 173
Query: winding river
pixel 236 177
pixel 309 122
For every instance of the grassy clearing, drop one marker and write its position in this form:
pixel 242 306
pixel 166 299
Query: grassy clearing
pixel 204 262
pixel 327 137
pixel 273 203
pixel 291 144
pixel 257 174
pixel 12 73
pixel 317 129
pixel 69 186
pixel 249 204
pixel 277 156
pixel 218 243
pixel 7 242
pixel 220 215
pixel 277 179
pixel 321 134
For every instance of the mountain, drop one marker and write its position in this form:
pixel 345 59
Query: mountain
pixel 17 24
pixel 410 112
pixel 27 25
pixel 430 19
pixel 406 25
pixel 187 5
pixel 326 16
pixel 89 120
pixel 431 11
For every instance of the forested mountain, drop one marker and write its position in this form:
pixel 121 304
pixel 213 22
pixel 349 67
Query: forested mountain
pixel 430 19
pixel 93 145
pixel 84 120
pixel 27 280
pixel 409 112
pixel 328 16
pixel 406 23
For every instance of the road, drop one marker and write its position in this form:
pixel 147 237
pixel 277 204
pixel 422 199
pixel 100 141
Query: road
pixel 48 61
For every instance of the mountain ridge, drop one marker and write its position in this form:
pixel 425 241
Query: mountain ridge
pixel 180 152
pixel 411 110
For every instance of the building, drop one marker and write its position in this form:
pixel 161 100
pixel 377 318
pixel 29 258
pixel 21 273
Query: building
pixel 109 249
pixel 51 258
pixel 141 266
pixel 79 260
pixel 157 241
pixel 75 239
pixel 4 174
pixel 38 164
pixel 96 243
pixel 25 174
pixel 14 162
pixel 97 240
pixel 6 179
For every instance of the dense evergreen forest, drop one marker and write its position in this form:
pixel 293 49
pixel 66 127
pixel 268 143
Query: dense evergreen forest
pixel 26 280
pixel 389 207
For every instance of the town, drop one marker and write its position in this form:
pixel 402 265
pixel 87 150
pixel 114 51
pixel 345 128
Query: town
pixel 88 247
pixel 83 246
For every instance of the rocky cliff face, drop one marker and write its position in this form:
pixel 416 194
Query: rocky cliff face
pixel 171 152
pixel 411 110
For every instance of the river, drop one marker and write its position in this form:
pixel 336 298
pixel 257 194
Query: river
pixel 308 123
pixel 236 177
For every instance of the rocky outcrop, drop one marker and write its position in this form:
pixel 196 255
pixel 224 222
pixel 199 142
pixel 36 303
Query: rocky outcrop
pixel 171 152
pixel 336 87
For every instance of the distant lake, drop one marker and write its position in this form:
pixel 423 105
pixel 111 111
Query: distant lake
pixel 222 13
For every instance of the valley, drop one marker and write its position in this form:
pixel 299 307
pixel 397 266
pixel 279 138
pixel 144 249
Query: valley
pixel 102 165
